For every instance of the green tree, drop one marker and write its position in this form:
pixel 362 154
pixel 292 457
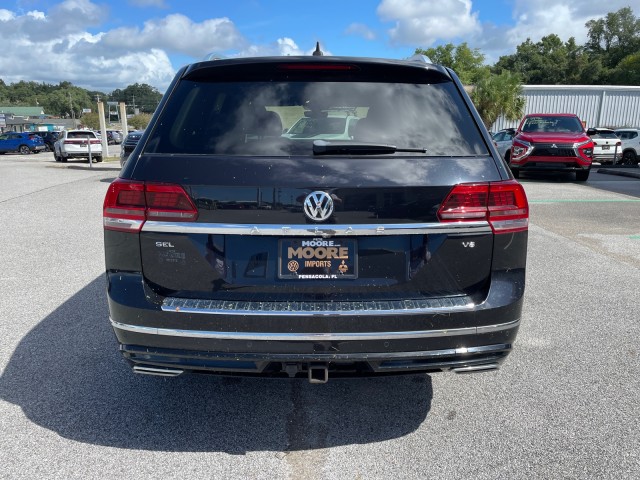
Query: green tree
pixel 628 71
pixel 551 62
pixel 91 120
pixel 141 97
pixel 466 62
pixel 139 122
pixel 614 37
pixel 496 95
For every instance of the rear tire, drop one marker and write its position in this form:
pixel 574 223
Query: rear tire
pixel 583 175
pixel 97 159
pixel 629 158
pixel 24 150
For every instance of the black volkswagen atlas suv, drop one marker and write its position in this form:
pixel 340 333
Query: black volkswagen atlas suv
pixel 235 248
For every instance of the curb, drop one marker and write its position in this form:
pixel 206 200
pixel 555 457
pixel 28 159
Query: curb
pixel 620 172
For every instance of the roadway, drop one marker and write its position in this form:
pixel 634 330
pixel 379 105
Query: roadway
pixel 564 405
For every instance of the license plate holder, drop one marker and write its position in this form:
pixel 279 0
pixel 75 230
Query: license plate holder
pixel 605 147
pixel 318 258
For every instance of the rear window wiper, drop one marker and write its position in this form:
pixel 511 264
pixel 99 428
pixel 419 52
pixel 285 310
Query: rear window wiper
pixel 338 147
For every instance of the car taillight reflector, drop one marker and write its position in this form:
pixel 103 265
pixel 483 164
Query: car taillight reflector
pixel 168 202
pixel 503 204
pixel 464 202
pixel 129 204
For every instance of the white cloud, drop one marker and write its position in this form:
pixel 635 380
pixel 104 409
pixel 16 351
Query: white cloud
pixel 535 20
pixel 178 34
pixel 281 47
pixel 565 20
pixel 360 30
pixel 425 23
pixel 420 23
pixel 67 51
pixel 6 15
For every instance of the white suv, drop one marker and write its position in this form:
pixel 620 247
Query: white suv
pixel 334 126
pixel 630 145
pixel 78 144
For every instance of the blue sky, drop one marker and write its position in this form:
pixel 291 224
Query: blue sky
pixel 104 45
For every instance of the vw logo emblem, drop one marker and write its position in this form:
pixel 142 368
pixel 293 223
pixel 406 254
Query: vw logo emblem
pixel 318 206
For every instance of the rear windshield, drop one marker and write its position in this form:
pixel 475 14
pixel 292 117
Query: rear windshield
pixel 602 134
pixel 285 117
pixel 86 134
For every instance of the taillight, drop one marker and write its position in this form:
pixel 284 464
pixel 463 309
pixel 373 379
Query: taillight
pixel 503 204
pixel 128 204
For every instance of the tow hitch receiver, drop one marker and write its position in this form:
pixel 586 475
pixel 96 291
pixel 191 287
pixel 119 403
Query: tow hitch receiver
pixel 318 373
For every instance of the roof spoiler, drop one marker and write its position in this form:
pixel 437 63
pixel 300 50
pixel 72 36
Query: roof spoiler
pixel 419 58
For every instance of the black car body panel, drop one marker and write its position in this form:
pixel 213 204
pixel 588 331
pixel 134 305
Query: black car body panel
pixel 414 269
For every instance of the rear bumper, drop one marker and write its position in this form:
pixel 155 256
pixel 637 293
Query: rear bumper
pixel 551 167
pixel 83 154
pixel 284 362
pixel 607 157
pixel 176 336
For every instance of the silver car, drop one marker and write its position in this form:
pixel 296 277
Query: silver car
pixel 503 140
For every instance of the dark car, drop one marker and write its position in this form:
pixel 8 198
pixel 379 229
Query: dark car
pixel 232 249
pixel 49 139
pixel 24 143
pixel 128 145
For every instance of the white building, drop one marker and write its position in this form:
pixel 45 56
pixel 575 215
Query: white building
pixel 597 105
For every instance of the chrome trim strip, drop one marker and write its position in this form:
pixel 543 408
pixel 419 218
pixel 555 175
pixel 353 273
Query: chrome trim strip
pixel 444 305
pixel 498 327
pixel 324 230
pixel 311 337
pixel 122 224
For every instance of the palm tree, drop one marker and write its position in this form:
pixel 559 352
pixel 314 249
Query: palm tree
pixel 496 95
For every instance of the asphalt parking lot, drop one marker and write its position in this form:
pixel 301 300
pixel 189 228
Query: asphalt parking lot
pixel 564 405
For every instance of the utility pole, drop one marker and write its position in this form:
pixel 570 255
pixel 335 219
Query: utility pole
pixel 73 114
pixel 103 128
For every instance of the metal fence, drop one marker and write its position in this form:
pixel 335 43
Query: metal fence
pixel 597 105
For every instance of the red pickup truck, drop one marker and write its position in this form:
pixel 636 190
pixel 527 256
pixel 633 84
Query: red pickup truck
pixel 552 142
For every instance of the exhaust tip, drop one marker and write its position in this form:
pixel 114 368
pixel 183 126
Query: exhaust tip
pixel 157 371
pixel 476 368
